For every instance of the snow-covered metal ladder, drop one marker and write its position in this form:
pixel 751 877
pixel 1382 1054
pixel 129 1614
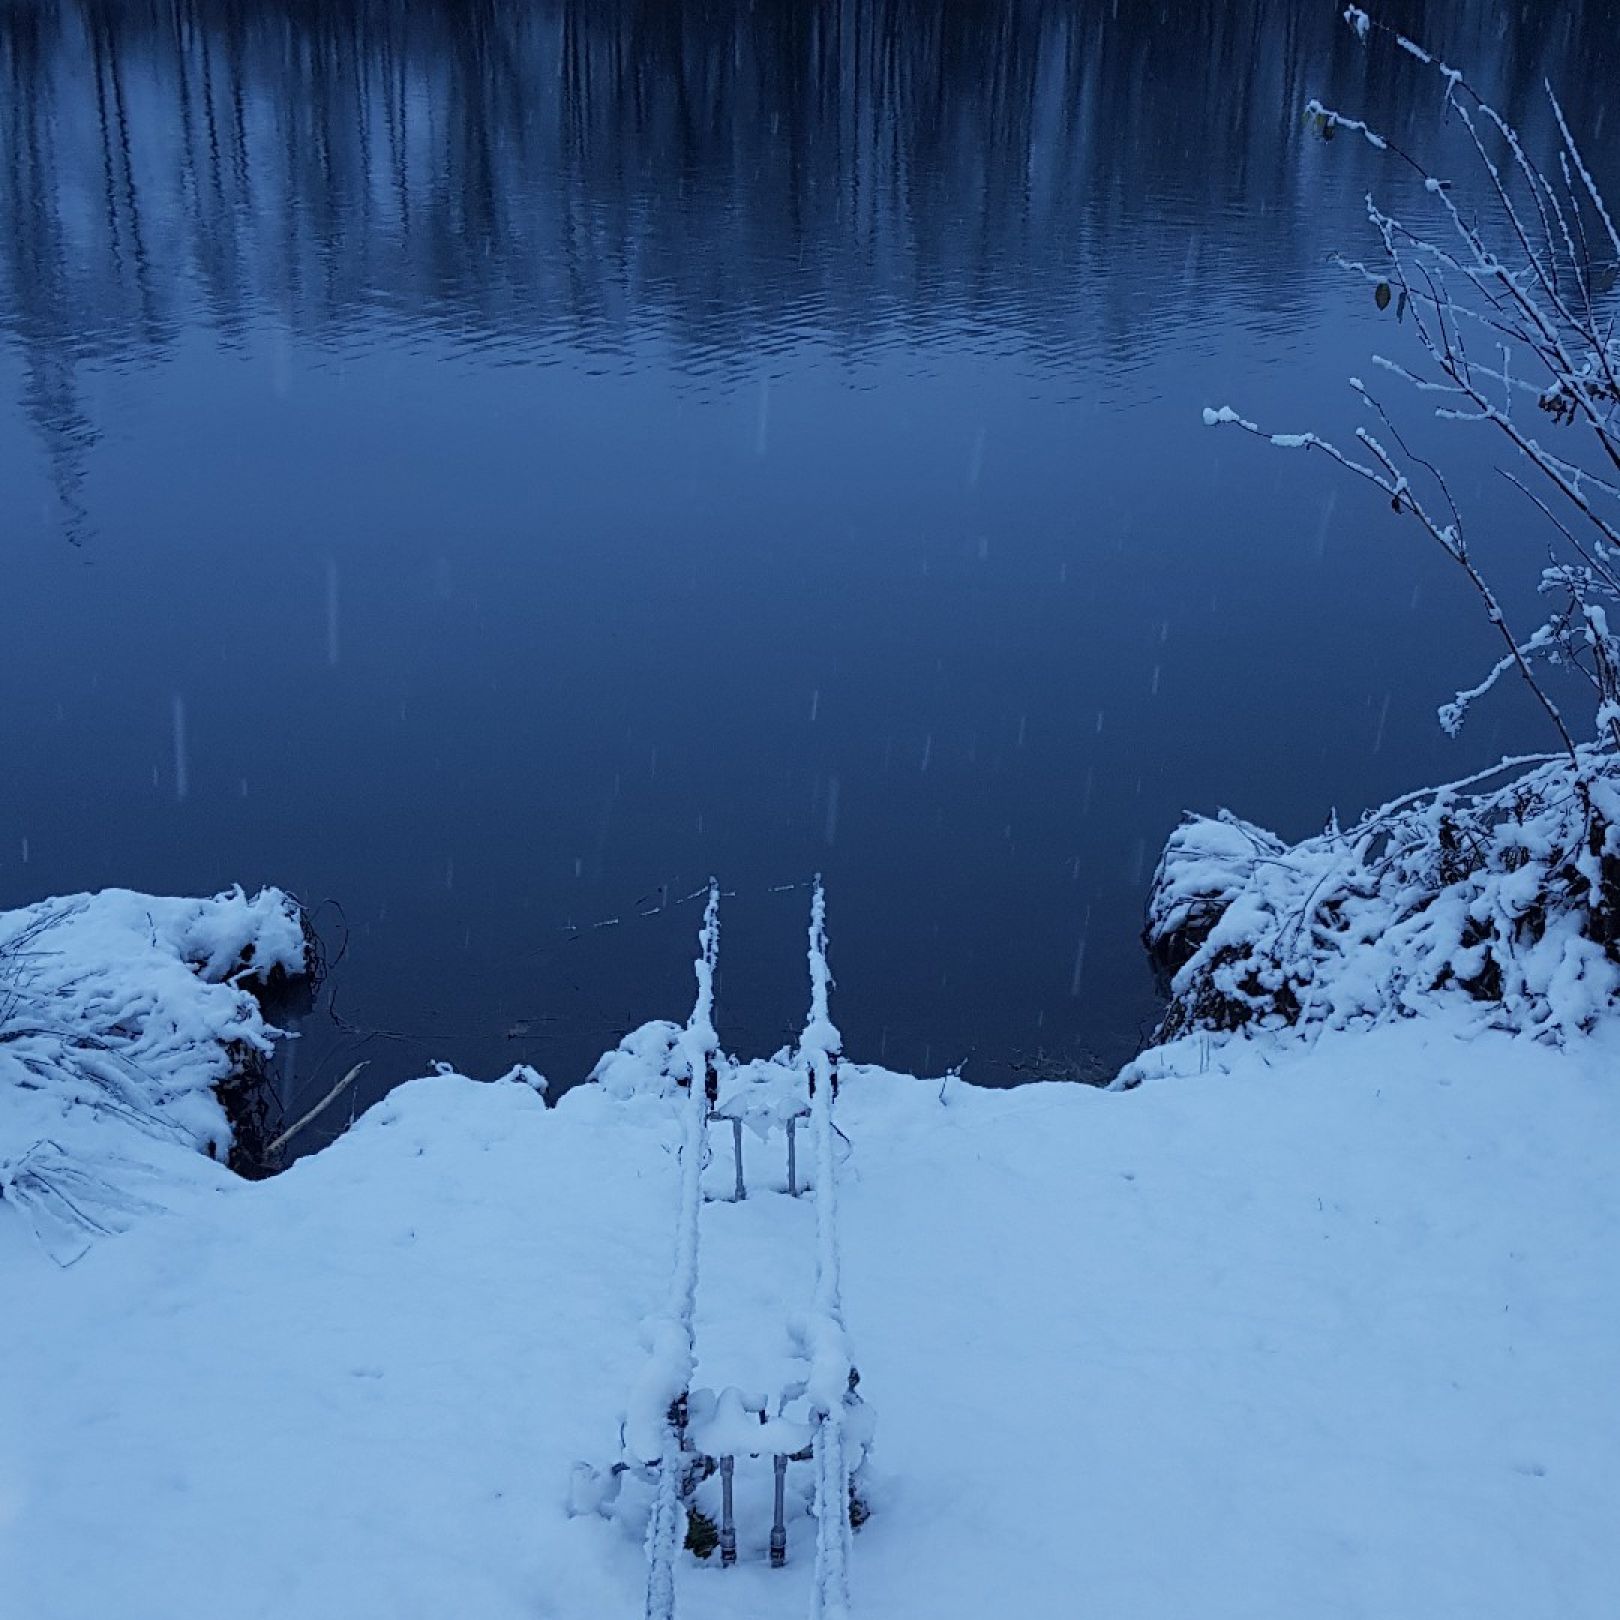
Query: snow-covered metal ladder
pixel 664 1393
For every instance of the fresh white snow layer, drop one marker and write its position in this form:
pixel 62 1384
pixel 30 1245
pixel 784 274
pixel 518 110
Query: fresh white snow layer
pixel 1326 1330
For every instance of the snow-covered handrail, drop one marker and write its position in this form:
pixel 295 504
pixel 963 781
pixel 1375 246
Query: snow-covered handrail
pixel 820 1033
pixel 830 1375
pixel 658 1415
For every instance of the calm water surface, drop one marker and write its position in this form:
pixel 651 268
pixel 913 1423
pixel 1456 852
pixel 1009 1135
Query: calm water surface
pixel 490 466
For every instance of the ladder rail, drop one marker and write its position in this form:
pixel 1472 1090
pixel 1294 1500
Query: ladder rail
pixel 673 1355
pixel 829 1381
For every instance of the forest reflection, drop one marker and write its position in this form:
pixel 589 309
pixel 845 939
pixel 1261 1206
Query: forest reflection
pixel 733 171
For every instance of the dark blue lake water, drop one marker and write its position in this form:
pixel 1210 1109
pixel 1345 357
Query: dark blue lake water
pixel 490 466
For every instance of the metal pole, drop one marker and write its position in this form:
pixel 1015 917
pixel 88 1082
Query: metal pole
pixel 793 1161
pixel 736 1154
pixel 728 1525
pixel 779 1522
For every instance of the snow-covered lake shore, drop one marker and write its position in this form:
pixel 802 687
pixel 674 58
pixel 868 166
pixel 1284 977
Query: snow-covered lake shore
pixel 1292 1328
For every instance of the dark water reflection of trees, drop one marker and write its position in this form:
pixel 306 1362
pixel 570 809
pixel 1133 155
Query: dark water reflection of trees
pixel 730 171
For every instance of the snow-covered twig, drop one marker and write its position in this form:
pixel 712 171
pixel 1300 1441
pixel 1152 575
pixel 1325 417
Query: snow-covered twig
pixel 1528 279
pixel 275 1147
pixel 1387 476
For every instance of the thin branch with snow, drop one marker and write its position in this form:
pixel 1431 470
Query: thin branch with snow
pixel 1528 279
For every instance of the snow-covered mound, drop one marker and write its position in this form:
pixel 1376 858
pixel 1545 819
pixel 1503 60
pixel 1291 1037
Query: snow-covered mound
pixel 1508 898
pixel 123 1019
pixel 1332 1333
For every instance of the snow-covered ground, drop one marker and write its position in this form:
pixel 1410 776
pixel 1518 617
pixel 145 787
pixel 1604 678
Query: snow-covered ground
pixel 1322 1331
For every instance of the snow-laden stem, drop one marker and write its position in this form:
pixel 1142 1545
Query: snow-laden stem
pixel 1388 477
pixel 311 1115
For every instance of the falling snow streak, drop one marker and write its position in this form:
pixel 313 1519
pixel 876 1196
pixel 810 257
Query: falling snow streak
pixel 331 612
pixel 1080 956
pixel 976 460
pixel 830 827
pixel 182 763
pixel 762 420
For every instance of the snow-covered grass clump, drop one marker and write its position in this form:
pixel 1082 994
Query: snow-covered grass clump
pixel 128 1023
pixel 1506 898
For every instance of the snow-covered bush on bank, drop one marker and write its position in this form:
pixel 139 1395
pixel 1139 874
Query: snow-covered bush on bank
pixel 128 1020
pixel 1506 893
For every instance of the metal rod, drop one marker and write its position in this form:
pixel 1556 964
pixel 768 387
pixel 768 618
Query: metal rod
pixel 728 1524
pixel 779 1522
pixel 736 1154
pixel 793 1159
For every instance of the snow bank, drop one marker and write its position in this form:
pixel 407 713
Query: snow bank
pixel 1506 898
pixel 123 1019
pixel 1334 1337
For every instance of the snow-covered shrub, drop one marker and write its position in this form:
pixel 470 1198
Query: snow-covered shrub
pixel 1509 895
pixel 130 1019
